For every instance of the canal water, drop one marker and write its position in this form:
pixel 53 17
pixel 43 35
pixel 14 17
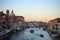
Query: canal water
pixel 37 34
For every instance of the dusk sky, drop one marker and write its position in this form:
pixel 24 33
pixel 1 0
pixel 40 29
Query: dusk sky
pixel 33 10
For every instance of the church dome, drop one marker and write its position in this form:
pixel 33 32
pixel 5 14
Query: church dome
pixel 12 13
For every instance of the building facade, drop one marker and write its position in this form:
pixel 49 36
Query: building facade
pixel 55 25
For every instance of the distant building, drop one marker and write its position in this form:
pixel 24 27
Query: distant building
pixel 30 24
pixel 7 18
pixel 4 21
pixel 37 24
pixel 1 21
pixel 54 23
pixel 21 18
pixel 43 24
pixel 22 22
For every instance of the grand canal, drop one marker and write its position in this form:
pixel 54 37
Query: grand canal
pixel 38 34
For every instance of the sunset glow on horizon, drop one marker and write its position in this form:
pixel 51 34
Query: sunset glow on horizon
pixel 33 10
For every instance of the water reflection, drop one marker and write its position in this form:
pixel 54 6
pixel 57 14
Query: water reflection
pixel 38 34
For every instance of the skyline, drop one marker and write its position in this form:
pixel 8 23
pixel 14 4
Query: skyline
pixel 35 10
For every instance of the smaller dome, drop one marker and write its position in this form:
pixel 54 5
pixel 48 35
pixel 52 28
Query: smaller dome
pixel 12 14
